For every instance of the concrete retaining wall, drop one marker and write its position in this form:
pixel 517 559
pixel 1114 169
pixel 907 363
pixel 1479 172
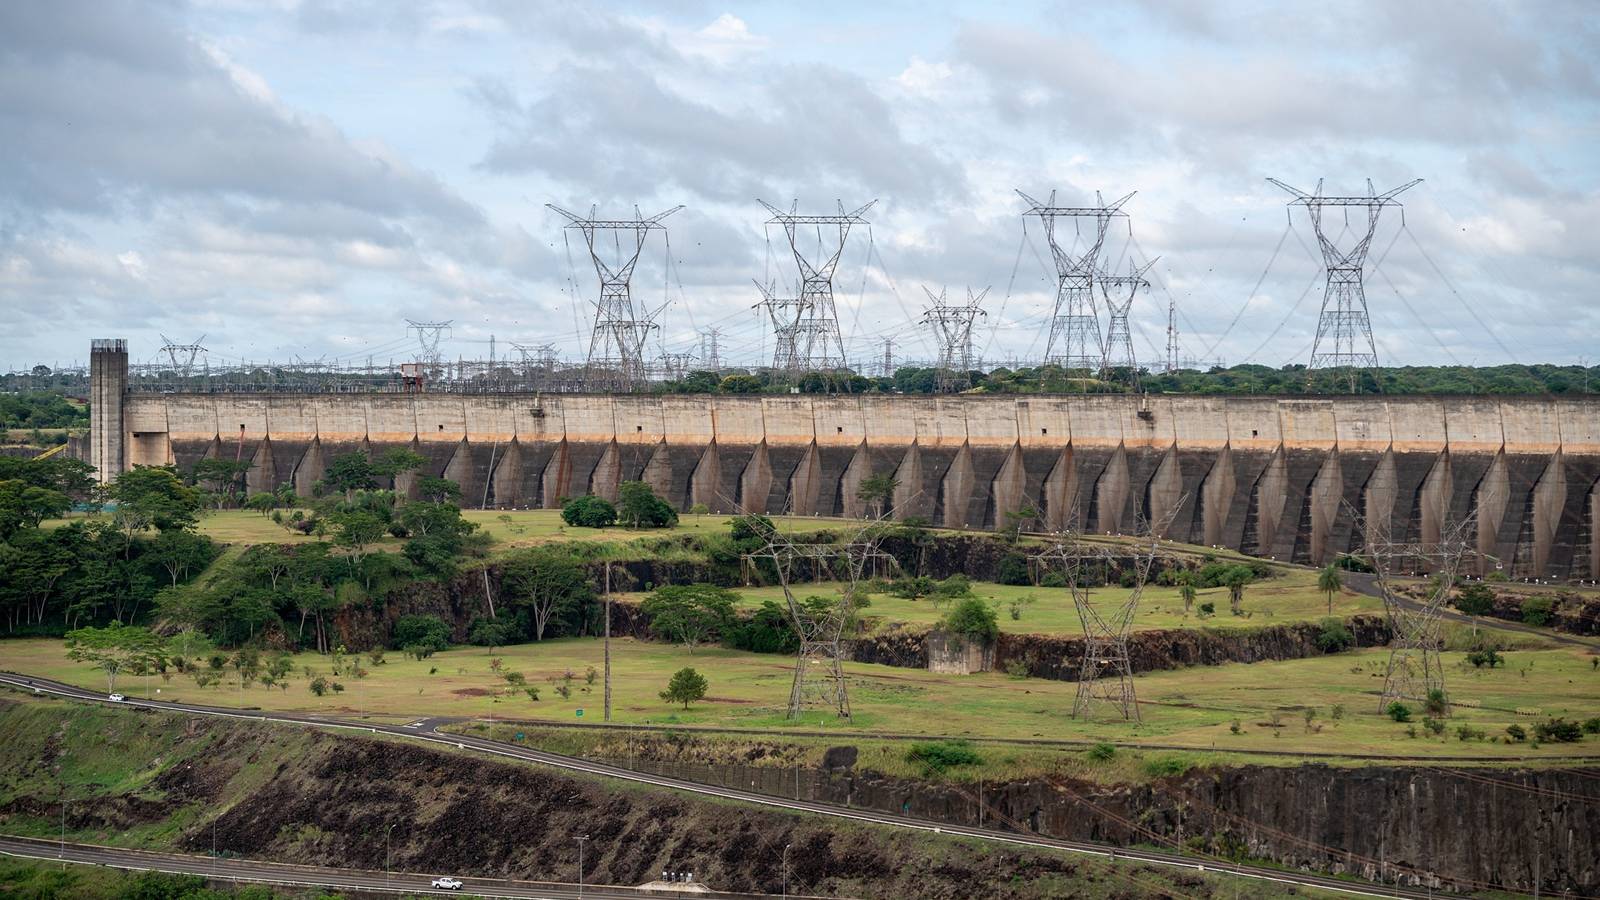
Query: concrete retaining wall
pixel 1277 477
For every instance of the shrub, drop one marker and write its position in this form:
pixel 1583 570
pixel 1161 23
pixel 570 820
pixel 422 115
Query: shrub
pixel 490 633
pixel 974 619
pixel 1013 569
pixel 1102 752
pixel 1538 610
pixel 940 756
pixel 767 631
pixel 1398 711
pixel 1558 730
pixel 1591 726
pixel 1333 636
pixel 1167 766
pixel 641 508
pixel 1018 604
pixel 1467 732
pixel 1486 657
pixel 1436 726
pixel 428 631
pixel 1475 599
pixel 1437 703
pixel 589 512
pixel 1053 580
pixel 419 652
pixel 1208 608
pixel 1016 668
pixel 1516 732
pixel 319 685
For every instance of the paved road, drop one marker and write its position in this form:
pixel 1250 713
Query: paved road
pixel 1365 583
pixel 576 764
pixel 256 872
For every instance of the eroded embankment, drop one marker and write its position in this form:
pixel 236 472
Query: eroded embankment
pixel 1459 828
pixel 297 795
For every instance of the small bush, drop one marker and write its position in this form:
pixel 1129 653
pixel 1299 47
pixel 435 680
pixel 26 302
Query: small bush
pixel 490 633
pixel 973 619
pixel 1476 599
pixel 1434 726
pixel 589 512
pixel 1235 727
pixel 1591 726
pixel 941 756
pixel 1398 711
pixel 1561 731
pixel 1102 752
pixel 319 685
pixel 1208 608
pixel 1437 703
pixel 1486 657
pixel 1016 668
pixel 1167 766
pixel 1333 636
pixel 1053 580
pixel 1013 569
pixel 1516 732
pixel 1466 732
pixel 1538 610
pixel 429 631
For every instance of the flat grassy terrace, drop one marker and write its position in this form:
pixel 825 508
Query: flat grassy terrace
pixel 1193 707
pixel 1290 597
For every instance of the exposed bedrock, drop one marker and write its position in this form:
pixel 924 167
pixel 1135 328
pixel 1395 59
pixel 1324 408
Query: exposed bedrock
pixel 1275 477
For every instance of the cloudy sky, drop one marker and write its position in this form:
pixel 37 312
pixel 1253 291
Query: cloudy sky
pixel 297 179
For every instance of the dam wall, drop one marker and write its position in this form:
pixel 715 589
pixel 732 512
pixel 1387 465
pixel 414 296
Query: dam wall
pixel 1274 477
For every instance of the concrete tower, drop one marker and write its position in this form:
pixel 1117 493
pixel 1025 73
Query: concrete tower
pixel 108 384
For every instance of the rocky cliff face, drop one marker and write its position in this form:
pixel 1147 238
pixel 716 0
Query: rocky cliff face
pixel 1466 829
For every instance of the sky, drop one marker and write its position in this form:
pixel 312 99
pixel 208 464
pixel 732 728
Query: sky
pixel 294 180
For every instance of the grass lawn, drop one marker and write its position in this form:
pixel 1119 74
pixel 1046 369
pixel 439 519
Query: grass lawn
pixel 1291 597
pixel 1189 707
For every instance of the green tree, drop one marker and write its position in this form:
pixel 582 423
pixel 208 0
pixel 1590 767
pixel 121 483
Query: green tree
pixel 589 512
pixel 223 478
pixel 877 492
pixel 639 507
pixel 547 583
pixel 116 648
pixel 180 553
pixel 24 505
pixel 397 461
pixel 1235 579
pixel 1329 582
pixel 691 613
pixel 1476 599
pixel 1186 591
pixel 438 490
pixel 262 502
pixel 974 619
pixel 357 531
pixel 740 384
pixel 350 472
pixel 427 631
pixel 154 496
pixel 1333 636
pixel 686 686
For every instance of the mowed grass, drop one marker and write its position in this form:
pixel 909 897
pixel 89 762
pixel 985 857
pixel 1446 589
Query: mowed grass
pixel 507 528
pixel 1290 597
pixel 1192 708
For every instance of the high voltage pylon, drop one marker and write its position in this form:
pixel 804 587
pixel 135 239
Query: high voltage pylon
pixel 1344 328
pixel 182 355
pixel 1119 292
pixel 1415 670
pixel 818 345
pixel 710 352
pixel 1074 341
pixel 784 313
pixel 429 334
pixel 818 669
pixel 952 325
pixel 616 345
pixel 1172 335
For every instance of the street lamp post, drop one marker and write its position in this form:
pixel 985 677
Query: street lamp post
pixel 581 839
pixel 386 852
pixel 785 869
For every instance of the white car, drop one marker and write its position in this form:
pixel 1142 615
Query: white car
pixel 117 698
pixel 447 883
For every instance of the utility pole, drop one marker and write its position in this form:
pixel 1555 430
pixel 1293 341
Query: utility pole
pixel 1074 341
pixel 581 839
pixel 1344 329
pixel 608 642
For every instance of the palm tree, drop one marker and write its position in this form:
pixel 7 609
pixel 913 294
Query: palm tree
pixel 1187 592
pixel 1330 583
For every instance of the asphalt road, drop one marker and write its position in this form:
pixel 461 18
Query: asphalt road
pixel 1365 583
pixel 252 871
pixel 575 764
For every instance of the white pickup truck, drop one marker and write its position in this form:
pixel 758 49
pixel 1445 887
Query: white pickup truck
pixel 447 883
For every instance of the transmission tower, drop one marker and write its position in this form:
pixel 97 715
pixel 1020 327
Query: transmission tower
pixel 818 673
pixel 952 325
pixel 818 344
pixel 888 357
pixel 1172 335
pixel 1119 292
pixel 182 355
pixel 710 355
pixel 429 334
pixel 616 345
pixel 1415 670
pixel 1344 329
pixel 1105 674
pixel 1074 341
pixel 784 313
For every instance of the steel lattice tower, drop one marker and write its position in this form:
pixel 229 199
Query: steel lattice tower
pixel 1344 328
pixel 616 345
pixel 818 346
pixel 429 334
pixel 785 314
pixel 952 324
pixel 1415 670
pixel 182 355
pixel 1074 341
pixel 1119 338
pixel 818 670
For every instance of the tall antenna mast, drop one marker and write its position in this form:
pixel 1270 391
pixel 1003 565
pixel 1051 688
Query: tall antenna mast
pixel 1344 329
pixel 952 325
pixel 818 344
pixel 1074 341
pixel 616 345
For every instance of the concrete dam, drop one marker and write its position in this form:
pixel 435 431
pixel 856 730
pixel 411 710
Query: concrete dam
pixel 1275 477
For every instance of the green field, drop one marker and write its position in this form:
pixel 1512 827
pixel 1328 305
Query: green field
pixel 1291 597
pixel 1188 707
